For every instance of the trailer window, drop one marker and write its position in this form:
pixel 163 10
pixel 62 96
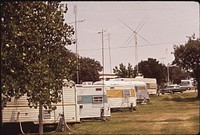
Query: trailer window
pixel 47 114
pixel 97 99
pixel 139 88
pixel 126 93
pixel 148 85
pixel 79 99
pixel 185 83
pixel 98 89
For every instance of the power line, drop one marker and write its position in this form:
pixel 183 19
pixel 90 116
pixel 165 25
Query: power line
pixel 122 47
pixel 123 10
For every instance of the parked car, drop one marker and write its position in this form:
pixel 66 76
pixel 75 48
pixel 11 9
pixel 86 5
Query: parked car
pixel 172 89
pixel 188 84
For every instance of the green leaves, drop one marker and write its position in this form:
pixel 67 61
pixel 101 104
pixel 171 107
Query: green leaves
pixel 151 68
pixel 33 55
pixel 188 57
pixel 88 70
pixel 122 71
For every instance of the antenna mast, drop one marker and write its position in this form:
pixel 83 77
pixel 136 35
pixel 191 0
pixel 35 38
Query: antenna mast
pixel 136 53
pixel 135 36
pixel 109 50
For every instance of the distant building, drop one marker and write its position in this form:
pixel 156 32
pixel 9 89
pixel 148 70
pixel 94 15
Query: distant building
pixel 107 76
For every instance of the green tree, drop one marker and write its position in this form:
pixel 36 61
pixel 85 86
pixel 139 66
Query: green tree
pixel 33 53
pixel 188 57
pixel 88 70
pixel 151 68
pixel 176 74
pixel 124 72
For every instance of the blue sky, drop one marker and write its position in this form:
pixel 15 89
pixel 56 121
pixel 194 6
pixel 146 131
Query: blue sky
pixel 161 25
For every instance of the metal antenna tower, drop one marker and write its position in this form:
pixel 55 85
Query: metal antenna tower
pixel 135 34
pixel 108 35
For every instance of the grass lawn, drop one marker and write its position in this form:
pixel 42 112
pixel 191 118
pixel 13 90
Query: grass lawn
pixel 165 114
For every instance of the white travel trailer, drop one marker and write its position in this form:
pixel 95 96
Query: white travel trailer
pixel 188 84
pixel 150 82
pixel 120 94
pixel 18 111
pixel 139 86
pixel 92 101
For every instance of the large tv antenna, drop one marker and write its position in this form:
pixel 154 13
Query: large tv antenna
pixel 134 35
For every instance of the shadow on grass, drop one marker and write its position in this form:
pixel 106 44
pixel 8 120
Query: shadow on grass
pixel 181 99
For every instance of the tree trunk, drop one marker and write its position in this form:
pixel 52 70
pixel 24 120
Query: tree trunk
pixel 198 88
pixel 40 119
pixel 1 118
pixel 197 76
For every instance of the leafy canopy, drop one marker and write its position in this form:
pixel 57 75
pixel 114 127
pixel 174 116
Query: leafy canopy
pixel 88 69
pixel 123 71
pixel 151 68
pixel 188 57
pixel 33 53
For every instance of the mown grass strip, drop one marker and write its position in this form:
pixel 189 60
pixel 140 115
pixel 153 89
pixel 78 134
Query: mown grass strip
pixel 165 114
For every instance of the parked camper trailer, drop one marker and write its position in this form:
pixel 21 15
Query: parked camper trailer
pixel 92 101
pixel 120 94
pixel 187 84
pixel 150 82
pixel 139 86
pixel 93 98
pixel 18 110
pixel 141 90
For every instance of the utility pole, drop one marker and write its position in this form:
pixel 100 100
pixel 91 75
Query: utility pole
pixel 109 50
pixel 76 39
pixel 77 57
pixel 168 74
pixel 102 34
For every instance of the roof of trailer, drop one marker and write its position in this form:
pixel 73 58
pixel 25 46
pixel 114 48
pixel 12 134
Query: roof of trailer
pixel 119 83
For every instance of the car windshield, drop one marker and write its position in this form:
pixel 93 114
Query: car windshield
pixel 185 83
pixel 172 86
